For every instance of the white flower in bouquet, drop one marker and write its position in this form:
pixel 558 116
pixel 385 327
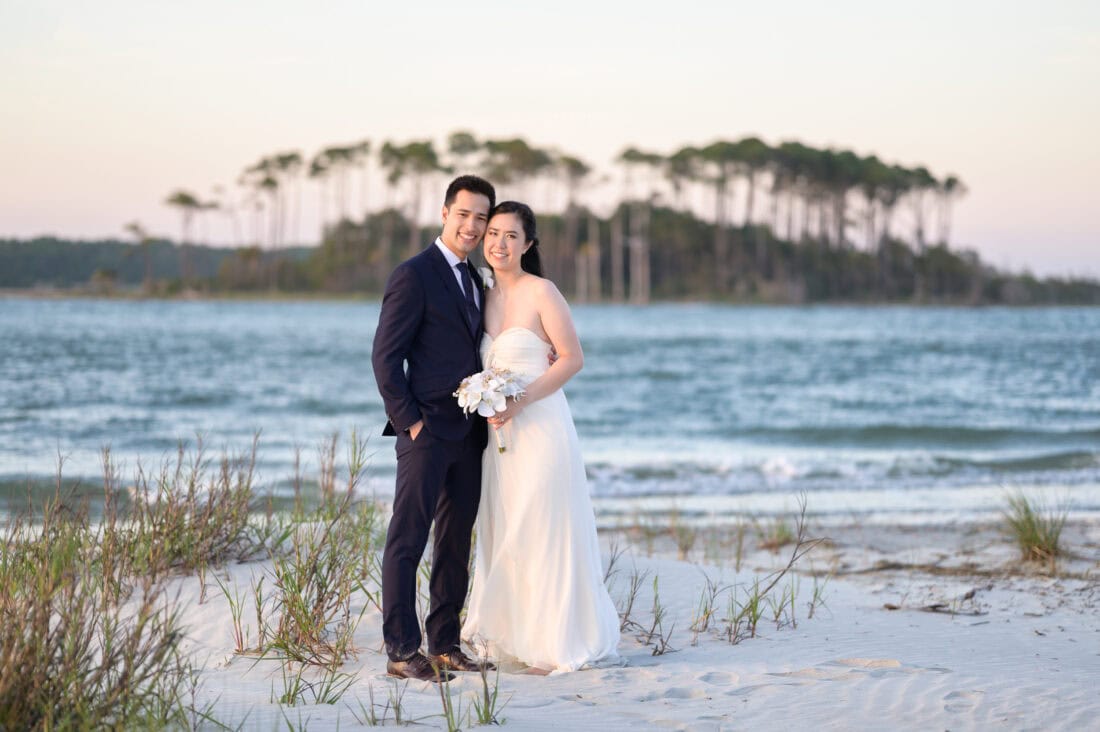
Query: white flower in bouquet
pixel 487 392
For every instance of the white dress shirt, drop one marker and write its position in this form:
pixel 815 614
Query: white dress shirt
pixel 454 261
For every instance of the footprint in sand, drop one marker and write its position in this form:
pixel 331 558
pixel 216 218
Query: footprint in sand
pixel 634 676
pixel 810 674
pixel 885 666
pixel 676 692
pixel 868 662
pixel 535 703
pixel 719 678
pixel 743 691
pixel 958 702
pixel 854 668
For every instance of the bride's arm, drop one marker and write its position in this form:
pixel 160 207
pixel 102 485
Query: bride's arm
pixel 558 324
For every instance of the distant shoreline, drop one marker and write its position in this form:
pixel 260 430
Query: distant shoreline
pixel 336 297
pixel 678 257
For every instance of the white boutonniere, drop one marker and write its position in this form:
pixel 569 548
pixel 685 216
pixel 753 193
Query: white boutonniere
pixel 486 277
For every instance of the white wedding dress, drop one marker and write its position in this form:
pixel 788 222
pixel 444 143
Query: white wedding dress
pixel 538 594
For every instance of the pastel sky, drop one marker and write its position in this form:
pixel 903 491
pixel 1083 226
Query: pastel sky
pixel 109 106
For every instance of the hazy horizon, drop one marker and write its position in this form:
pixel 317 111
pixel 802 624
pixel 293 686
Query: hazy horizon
pixel 111 107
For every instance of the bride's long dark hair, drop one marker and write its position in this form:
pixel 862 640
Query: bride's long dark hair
pixel 530 262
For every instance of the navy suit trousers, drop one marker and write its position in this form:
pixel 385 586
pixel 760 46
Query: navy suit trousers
pixel 437 480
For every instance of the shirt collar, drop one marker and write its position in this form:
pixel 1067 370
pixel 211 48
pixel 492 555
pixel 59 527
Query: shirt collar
pixel 452 260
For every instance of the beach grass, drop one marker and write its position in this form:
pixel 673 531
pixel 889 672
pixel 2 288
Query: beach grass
pixel 308 617
pixel 91 637
pixel 84 643
pixel 1035 528
pixel 488 707
pixel 322 554
pixel 188 515
pixel 746 603
pixel 368 715
pixel 775 535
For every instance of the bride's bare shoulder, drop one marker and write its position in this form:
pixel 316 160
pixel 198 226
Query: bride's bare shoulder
pixel 543 288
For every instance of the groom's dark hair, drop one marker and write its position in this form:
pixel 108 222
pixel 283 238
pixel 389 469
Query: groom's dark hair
pixel 473 184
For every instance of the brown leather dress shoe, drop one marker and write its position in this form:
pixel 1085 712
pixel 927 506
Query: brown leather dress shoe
pixel 418 667
pixel 457 660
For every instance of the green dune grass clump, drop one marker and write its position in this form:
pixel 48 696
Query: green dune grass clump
pixel 83 644
pixel 1035 528
pixel 89 637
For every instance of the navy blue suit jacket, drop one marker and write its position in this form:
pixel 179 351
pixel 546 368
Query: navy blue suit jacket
pixel 423 324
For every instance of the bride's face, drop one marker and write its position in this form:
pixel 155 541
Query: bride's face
pixel 505 242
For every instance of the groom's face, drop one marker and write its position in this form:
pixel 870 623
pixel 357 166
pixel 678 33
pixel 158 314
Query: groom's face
pixel 464 222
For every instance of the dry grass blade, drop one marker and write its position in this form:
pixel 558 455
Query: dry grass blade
pixel 802 546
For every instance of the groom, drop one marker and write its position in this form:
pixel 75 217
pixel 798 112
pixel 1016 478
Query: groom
pixel 431 319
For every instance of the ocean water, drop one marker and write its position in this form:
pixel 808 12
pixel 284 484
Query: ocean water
pixel 874 413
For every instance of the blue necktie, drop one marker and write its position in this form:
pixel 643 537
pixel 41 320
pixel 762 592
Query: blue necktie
pixel 473 315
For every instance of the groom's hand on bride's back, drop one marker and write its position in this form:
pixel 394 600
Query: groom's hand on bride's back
pixel 552 356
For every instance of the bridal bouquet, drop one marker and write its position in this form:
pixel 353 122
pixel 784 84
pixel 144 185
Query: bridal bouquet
pixel 486 393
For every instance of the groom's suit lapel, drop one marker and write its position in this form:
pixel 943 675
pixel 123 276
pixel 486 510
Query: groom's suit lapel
pixel 439 264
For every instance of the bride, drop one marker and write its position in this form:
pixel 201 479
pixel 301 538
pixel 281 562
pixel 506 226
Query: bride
pixel 538 595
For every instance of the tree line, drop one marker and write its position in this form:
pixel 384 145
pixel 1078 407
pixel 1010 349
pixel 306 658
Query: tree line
pixel 730 220
pixel 348 264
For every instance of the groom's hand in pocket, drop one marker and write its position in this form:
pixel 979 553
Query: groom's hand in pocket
pixel 415 430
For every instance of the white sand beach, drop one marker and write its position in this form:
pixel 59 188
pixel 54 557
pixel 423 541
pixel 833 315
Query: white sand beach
pixel 976 641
